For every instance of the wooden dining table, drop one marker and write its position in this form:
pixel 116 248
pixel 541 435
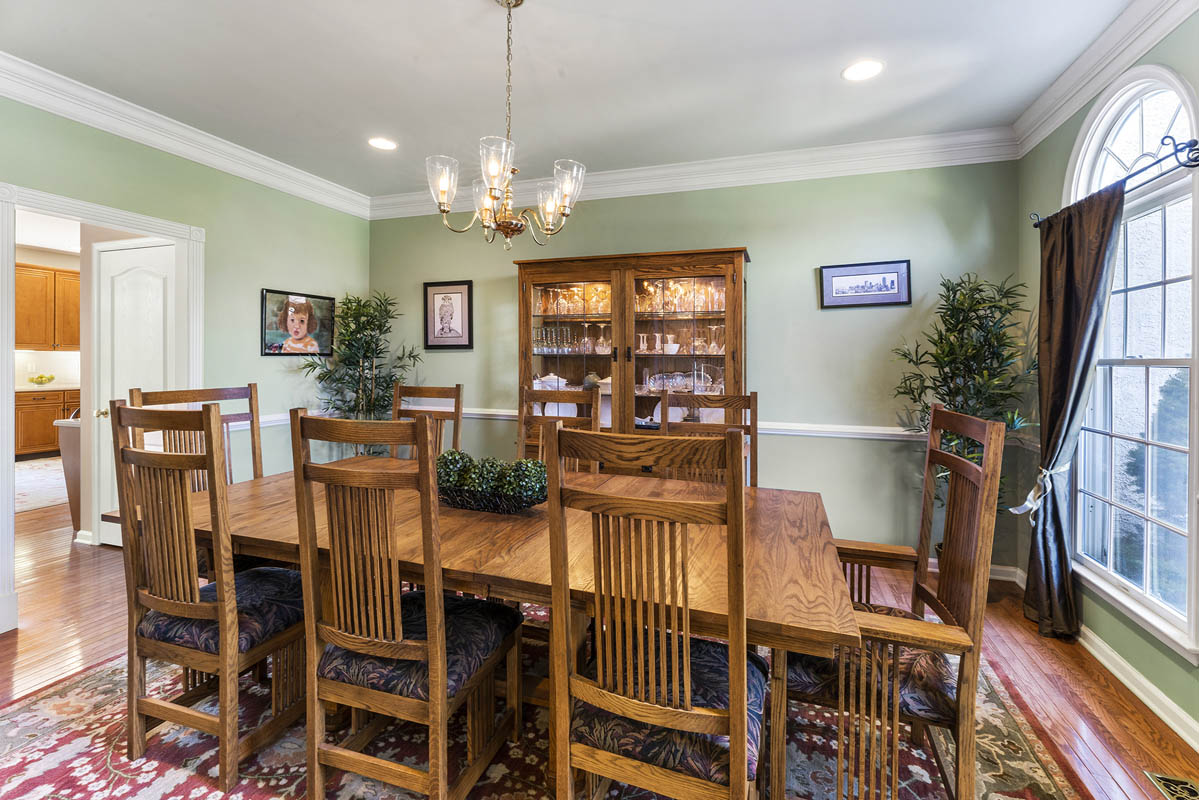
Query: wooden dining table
pixel 796 593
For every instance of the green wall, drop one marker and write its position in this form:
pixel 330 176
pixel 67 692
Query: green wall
pixel 810 366
pixel 255 237
pixel 1042 177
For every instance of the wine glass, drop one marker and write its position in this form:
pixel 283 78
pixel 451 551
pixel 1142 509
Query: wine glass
pixel 602 345
pixel 587 345
pixel 713 348
pixel 643 343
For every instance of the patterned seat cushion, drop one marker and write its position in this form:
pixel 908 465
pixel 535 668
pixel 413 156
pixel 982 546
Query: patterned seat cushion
pixel 927 679
pixel 269 601
pixel 474 629
pixel 699 755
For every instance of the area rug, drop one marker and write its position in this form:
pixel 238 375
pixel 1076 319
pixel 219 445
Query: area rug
pixel 40 483
pixel 67 742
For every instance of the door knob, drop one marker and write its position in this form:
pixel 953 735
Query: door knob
pixel 101 412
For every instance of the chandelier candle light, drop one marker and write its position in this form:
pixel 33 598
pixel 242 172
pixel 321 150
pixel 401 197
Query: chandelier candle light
pixel 493 192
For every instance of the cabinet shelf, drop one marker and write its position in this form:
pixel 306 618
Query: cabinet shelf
pixel 679 355
pixel 649 316
pixel 574 317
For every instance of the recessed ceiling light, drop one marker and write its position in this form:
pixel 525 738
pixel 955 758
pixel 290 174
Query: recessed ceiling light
pixel 380 143
pixel 862 70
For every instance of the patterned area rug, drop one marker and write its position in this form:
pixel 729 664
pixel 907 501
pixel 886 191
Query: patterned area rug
pixel 40 483
pixel 67 742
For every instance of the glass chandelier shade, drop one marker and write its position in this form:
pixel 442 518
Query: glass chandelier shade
pixel 496 155
pixel 442 172
pixel 493 192
pixel 568 180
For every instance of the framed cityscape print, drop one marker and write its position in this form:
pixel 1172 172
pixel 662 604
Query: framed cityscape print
pixel 449 315
pixel 296 324
pixel 873 283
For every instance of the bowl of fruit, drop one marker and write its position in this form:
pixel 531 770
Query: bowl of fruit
pixel 41 380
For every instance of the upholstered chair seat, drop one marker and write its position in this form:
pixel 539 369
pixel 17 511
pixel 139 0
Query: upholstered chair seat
pixel 269 601
pixel 699 755
pixel 927 679
pixel 474 630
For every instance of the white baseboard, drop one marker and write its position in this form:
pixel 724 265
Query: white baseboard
pixel 999 572
pixel 1166 709
pixel 8 611
pixel 86 537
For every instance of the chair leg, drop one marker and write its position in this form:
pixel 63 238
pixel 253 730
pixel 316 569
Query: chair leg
pixel 778 724
pixel 919 730
pixel 135 728
pixel 228 749
pixel 315 735
pixel 964 756
pixel 514 688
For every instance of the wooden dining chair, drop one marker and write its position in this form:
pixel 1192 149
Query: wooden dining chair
pixel 738 411
pixel 904 672
pixel 440 416
pixel 216 631
pixel 531 419
pixel 417 656
pixel 188 442
pixel 655 708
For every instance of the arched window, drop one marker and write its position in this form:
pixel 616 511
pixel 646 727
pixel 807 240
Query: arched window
pixel 1135 471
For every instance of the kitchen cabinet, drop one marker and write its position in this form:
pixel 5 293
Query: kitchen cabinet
pixel 47 305
pixel 36 411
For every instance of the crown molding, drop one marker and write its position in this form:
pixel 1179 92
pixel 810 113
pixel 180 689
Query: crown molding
pixel 39 87
pixel 884 155
pixel 1130 36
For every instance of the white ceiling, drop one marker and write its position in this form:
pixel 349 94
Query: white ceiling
pixel 46 232
pixel 627 83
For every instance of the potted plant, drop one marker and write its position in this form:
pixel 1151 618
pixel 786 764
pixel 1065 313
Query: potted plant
pixel 975 358
pixel 358 380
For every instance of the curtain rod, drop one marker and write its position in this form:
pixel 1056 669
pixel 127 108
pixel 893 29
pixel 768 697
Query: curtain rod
pixel 1189 161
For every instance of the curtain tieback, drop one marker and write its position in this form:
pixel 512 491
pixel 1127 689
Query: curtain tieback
pixel 1036 495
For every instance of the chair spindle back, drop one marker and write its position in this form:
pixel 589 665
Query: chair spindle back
pixel 179 441
pixel 364 542
pixel 440 416
pixel 640 568
pixel 156 510
pixel 739 411
pixel 531 420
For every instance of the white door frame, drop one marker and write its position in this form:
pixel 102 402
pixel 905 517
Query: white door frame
pixel 189 255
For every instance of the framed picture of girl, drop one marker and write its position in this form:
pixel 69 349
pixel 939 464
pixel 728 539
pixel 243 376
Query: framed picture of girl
pixel 449 315
pixel 296 324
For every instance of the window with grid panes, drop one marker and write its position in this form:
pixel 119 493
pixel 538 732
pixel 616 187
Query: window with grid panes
pixel 1133 478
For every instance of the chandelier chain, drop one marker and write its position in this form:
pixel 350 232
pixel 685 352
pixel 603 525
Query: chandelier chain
pixel 508 78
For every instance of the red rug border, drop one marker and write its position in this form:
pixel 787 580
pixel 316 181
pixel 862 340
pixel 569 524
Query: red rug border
pixel 1042 733
pixel 63 679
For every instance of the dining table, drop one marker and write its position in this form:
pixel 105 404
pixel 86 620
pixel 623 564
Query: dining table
pixel 797 598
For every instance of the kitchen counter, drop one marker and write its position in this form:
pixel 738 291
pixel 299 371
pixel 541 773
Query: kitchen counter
pixel 49 387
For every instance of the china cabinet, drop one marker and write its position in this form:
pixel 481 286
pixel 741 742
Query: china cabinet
pixel 636 325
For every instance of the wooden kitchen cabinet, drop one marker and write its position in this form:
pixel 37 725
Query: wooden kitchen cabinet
pixel 47 303
pixel 66 310
pixel 35 415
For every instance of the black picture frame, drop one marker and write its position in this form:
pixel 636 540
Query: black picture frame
pixel 274 338
pixel 893 286
pixel 441 334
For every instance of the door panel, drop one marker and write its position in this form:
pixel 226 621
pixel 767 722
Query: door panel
pixel 34 293
pixel 66 310
pixel 137 315
pixel 35 428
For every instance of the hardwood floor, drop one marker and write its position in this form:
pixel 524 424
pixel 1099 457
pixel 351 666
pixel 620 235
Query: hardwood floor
pixel 72 607
pixel 1101 730
pixel 71 602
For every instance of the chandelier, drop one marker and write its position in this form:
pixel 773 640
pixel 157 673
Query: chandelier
pixel 494 208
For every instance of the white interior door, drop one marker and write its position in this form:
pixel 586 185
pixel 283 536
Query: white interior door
pixel 138 316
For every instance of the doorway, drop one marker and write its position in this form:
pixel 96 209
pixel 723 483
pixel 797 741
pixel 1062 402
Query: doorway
pixel 140 323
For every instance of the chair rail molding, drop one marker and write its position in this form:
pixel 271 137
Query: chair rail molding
pixel 37 86
pixel 1130 36
pixel 189 243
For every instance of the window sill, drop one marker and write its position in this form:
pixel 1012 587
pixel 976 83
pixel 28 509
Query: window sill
pixel 1174 638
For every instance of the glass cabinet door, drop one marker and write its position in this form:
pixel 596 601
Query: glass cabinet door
pixel 572 339
pixel 679 338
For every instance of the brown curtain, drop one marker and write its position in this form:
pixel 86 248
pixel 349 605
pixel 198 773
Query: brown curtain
pixel 1078 249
